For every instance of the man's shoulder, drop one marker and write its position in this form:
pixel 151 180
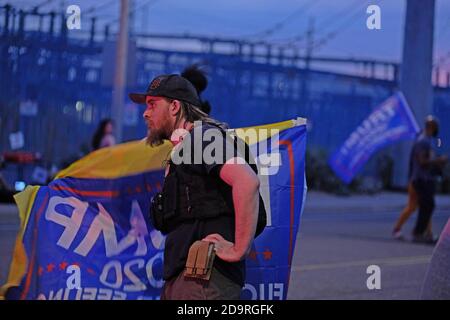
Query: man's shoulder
pixel 207 134
pixel 206 127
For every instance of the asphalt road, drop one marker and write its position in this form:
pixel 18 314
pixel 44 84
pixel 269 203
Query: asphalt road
pixel 332 254
pixel 9 224
pixel 334 250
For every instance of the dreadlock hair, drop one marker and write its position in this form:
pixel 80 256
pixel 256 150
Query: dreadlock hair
pixel 198 78
pixel 193 113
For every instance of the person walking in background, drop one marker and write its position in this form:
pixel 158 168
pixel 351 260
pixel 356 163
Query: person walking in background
pixel 104 135
pixel 411 206
pixel 425 166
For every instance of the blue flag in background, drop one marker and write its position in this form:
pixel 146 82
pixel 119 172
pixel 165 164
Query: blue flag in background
pixel 390 122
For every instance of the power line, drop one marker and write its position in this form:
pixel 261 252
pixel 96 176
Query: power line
pixel 22 4
pixel 115 19
pixel 324 24
pixel 97 8
pixel 42 4
pixel 333 34
pixel 330 21
pixel 136 8
pixel 279 25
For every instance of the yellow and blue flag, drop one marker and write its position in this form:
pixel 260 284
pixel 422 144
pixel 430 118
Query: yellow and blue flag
pixel 92 222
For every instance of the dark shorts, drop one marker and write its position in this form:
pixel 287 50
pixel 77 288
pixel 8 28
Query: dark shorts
pixel 218 287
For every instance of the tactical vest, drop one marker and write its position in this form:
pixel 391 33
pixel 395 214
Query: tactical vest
pixel 189 193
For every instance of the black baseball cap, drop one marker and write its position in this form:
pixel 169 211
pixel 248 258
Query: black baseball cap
pixel 171 86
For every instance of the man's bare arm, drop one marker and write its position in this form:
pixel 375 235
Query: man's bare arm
pixel 245 185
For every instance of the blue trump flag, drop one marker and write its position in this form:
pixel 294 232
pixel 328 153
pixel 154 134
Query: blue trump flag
pixel 390 122
pixel 87 235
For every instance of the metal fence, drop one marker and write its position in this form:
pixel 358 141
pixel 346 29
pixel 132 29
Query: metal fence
pixel 55 89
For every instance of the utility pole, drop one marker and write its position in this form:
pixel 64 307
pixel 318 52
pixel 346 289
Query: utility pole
pixel 121 70
pixel 415 74
pixel 144 18
pixel 309 52
pixel 309 42
pixel 132 6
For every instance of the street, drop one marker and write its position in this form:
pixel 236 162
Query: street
pixel 338 240
pixel 333 252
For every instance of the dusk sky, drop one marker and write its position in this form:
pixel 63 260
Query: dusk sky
pixel 273 21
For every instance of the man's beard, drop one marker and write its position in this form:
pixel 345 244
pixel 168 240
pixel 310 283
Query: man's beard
pixel 156 136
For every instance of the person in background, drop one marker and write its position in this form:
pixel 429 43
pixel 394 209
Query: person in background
pixel 6 193
pixel 104 135
pixel 411 206
pixel 425 167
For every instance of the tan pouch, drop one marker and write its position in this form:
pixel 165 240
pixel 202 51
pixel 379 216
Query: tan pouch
pixel 200 260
